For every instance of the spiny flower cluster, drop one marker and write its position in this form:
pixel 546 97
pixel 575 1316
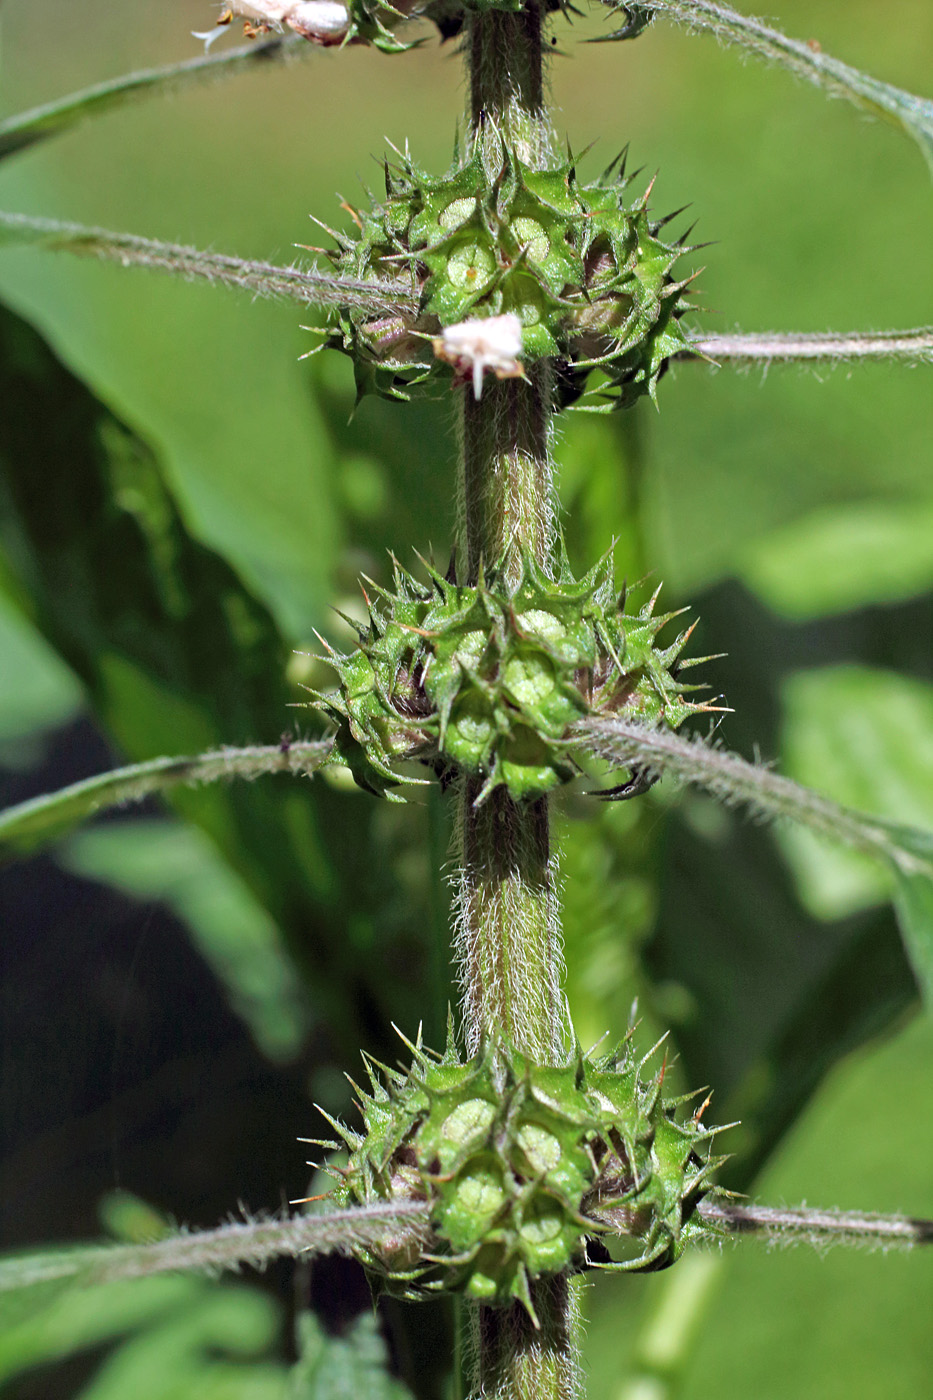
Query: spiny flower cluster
pixel 589 279
pixel 375 22
pixel 476 680
pixel 528 1169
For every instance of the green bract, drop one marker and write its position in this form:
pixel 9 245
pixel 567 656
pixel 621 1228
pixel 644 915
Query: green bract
pixel 589 279
pixel 382 23
pixel 476 680
pixel 528 1169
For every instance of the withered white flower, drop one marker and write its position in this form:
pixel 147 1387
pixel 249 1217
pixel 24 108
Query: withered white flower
pixel 490 342
pixel 321 21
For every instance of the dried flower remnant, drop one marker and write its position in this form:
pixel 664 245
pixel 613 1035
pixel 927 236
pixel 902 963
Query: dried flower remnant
pixel 322 21
pixel 472 347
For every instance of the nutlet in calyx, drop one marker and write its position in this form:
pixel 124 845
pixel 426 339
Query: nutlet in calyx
pixel 477 680
pixel 323 22
pixel 528 1170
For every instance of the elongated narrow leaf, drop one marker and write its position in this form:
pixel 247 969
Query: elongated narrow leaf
pixel 305 285
pixel 228 1247
pixel 764 348
pixel 336 1367
pixel 42 819
pixel 818 1228
pixel 912 114
pixel 19 132
pixel 771 998
pixel 735 781
pixel 913 903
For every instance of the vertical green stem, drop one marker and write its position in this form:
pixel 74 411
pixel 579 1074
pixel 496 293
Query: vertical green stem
pixel 517 1361
pixel 508 930
pixel 507 482
pixel 505 55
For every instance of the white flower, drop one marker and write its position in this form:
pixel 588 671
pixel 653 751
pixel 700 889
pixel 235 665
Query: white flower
pixel 321 21
pixel 472 347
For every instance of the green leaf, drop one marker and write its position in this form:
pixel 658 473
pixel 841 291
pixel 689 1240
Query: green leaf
pixel 844 557
pixel 213 1351
pixel 39 820
pixel 913 902
pixel 914 115
pixel 864 737
pixel 36 690
pixel 763 998
pixel 176 655
pixel 343 1368
pixel 18 133
pixel 183 1336
pixel 305 285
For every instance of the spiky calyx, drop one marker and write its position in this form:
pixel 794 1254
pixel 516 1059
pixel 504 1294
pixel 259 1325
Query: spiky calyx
pixel 381 22
pixel 477 680
pixel 590 279
pixel 528 1169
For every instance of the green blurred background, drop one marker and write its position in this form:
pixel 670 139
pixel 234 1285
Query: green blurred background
pixel 176 992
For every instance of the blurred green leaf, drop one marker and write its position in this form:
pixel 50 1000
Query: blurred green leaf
pixel 36 690
pixel 52 1322
pixel 843 557
pixel 914 115
pixel 25 129
pixel 763 998
pixel 913 901
pixel 206 1350
pixel 181 1333
pixel 343 1368
pixel 178 655
pixel 865 737
pixel 844 1323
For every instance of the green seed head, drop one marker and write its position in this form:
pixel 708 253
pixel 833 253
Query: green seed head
pixel 588 277
pixel 476 680
pixel 528 1169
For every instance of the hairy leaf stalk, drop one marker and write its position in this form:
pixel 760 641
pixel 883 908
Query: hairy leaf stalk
pixel 508 931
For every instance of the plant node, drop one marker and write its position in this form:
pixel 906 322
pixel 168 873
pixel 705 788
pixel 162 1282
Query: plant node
pixel 487 681
pixel 529 1169
pixel 588 278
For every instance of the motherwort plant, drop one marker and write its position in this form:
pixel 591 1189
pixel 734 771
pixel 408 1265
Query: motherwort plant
pixel 505 1166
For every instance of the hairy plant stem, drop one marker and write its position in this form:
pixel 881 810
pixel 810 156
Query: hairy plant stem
pixel 516 1360
pixel 508 932
pixel 506 485
pixel 505 57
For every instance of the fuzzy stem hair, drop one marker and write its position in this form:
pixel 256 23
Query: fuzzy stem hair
pixel 507 925
pixel 517 1361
